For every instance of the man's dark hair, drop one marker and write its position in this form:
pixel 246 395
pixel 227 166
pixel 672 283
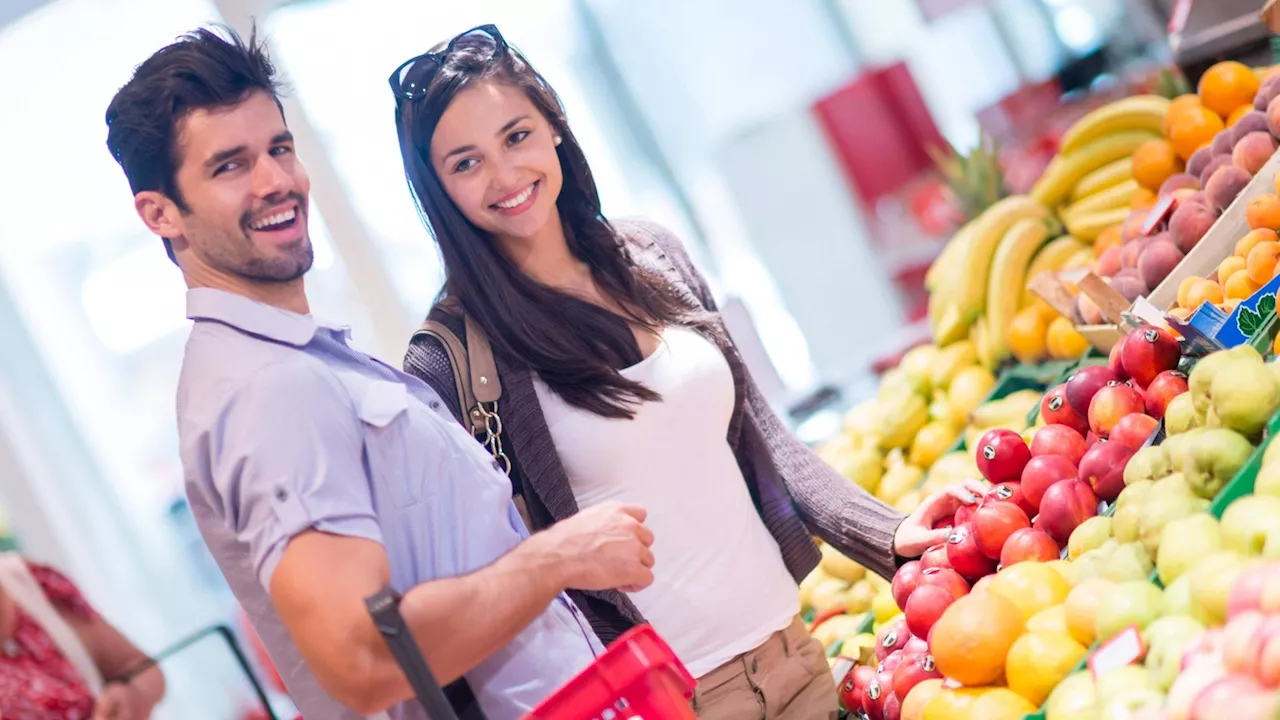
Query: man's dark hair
pixel 211 67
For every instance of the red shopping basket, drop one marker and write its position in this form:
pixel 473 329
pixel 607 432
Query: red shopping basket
pixel 637 677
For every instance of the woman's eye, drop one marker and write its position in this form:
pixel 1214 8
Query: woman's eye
pixel 464 165
pixel 518 136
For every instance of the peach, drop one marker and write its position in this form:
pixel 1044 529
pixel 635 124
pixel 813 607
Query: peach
pixel 1108 263
pixel 1224 185
pixel 1223 142
pixel 1130 286
pixel 1273 117
pixel 1217 162
pixel 1253 151
pixel 1251 123
pixel 1130 252
pixel 1267 92
pixel 1158 259
pixel 1197 197
pixel 1178 182
pixel 1090 313
pixel 1199 160
pixel 1189 223
pixel 1132 226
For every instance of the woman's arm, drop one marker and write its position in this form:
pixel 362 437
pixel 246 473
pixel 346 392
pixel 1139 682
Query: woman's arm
pixel 116 657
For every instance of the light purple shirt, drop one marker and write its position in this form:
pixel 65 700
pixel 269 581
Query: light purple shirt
pixel 284 427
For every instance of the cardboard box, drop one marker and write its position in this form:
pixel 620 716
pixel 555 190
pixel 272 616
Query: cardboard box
pixel 1052 288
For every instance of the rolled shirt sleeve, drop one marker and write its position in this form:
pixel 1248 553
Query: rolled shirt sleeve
pixel 286 455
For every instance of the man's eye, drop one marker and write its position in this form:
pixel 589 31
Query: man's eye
pixel 281 150
pixel 226 167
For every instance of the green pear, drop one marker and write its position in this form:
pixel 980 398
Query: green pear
pixel 1201 378
pixel 1126 522
pixel 1271 550
pixel 1185 541
pixel 1211 580
pixel 1134 702
pixel 1167 640
pixel 1134 493
pixel 1129 561
pixel 1244 397
pixel 1090 534
pixel 1213 458
pixel 1268 480
pixel 1075 698
pixel 1181 416
pixel 1177 597
pixel 1271 454
pixel 1120 681
pixel 1249 522
pixel 1149 463
pixel 1134 602
pixel 1161 509
pixel 1178 448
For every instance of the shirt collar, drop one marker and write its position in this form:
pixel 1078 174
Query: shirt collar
pixel 250 316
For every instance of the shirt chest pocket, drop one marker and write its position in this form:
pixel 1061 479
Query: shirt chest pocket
pixel 406 452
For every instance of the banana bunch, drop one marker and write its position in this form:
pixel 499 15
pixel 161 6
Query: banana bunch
pixel 1009 413
pixel 1058 254
pixel 1092 157
pixel 1008 280
pixel 959 280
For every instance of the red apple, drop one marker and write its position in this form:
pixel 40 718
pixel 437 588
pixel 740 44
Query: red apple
pixel 945 578
pixel 1133 430
pixel 854 685
pixel 1246 593
pixel 1064 506
pixel 1115 361
pixel 1091 439
pixel 891 661
pixel 1055 410
pixel 1085 383
pixel 1167 386
pixel 1041 473
pixel 873 696
pixel 1058 440
pixel 1001 455
pixel 905 581
pixel 891 708
pixel 892 636
pixel 935 557
pixel 994 523
pixel 965 557
pixel 1149 351
pixel 915 669
pixel 1110 404
pixel 944 522
pixel 1029 544
pixel 964 514
pixel 1102 468
pixel 1010 492
pixel 917 645
pixel 925 607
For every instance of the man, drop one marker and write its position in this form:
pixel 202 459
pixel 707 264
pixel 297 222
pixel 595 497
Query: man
pixel 317 474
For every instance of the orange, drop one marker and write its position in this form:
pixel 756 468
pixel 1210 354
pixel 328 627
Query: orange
pixel 1226 86
pixel 1229 266
pixel 914 703
pixel 1063 342
pixel 1261 262
pixel 1053 619
pixel 1179 105
pixel 1045 309
pixel 1238 113
pixel 1264 212
pixel 1203 292
pixel 1154 162
pixel 1275 347
pixel 1143 199
pixel 1027 335
pixel 1032 586
pixel 1276 183
pixel 1253 237
pixel 1184 288
pixel 1082 609
pixel 972 638
pixel 1109 238
pixel 1239 286
pixel 1038 661
pixel 1001 704
pixel 1229 305
pixel 1193 130
pixel 952 703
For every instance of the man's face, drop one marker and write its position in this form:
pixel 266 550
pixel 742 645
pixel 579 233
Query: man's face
pixel 245 192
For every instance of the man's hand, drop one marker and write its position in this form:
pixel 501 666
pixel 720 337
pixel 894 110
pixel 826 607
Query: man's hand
pixel 916 534
pixel 117 702
pixel 602 548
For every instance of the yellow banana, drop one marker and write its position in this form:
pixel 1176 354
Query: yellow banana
pixel 1011 409
pixel 1052 257
pixel 1140 112
pixel 974 267
pixel 980 336
pixel 1081 259
pixel 937 271
pixel 944 316
pixel 1088 226
pixel 1108 175
pixel 1008 278
pixel 1066 170
pixel 1113 197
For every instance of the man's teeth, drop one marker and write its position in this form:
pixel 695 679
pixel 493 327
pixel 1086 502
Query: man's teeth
pixel 517 200
pixel 277 219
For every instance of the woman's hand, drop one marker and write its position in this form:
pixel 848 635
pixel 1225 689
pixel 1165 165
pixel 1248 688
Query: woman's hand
pixel 118 702
pixel 917 534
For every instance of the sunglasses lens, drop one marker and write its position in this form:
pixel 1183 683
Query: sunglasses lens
pixel 478 41
pixel 414 77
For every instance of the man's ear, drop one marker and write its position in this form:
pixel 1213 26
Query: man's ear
pixel 160 213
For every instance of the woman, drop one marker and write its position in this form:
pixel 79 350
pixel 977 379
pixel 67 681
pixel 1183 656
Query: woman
pixel 59 660
pixel 619 382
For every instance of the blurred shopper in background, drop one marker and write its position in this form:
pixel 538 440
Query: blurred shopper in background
pixel 620 383
pixel 59 660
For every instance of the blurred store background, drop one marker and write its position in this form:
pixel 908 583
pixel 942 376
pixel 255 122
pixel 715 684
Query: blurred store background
pixel 786 141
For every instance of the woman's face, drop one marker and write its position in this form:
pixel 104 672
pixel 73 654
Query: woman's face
pixel 495 155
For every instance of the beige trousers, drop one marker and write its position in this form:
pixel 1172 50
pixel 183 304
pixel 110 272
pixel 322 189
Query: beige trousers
pixel 786 678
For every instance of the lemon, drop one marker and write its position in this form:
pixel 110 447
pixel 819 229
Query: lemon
pixel 1038 661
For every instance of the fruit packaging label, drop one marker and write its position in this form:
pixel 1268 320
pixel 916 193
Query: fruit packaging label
pixel 1123 649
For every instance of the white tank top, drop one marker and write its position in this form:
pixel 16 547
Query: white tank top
pixel 720 585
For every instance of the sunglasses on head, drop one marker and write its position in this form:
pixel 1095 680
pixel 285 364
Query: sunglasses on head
pixel 411 80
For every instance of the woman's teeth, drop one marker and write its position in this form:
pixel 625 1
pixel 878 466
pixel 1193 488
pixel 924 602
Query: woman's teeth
pixel 517 200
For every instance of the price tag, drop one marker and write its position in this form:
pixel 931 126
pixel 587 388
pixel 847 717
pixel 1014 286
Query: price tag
pixel 840 667
pixel 1123 649
pixel 1161 212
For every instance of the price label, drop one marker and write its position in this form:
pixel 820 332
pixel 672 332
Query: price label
pixel 1123 649
pixel 1159 214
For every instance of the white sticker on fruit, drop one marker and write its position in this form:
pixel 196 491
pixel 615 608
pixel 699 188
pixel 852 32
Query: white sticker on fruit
pixel 1123 649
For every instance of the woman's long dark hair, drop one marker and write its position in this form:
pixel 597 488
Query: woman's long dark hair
pixel 576 347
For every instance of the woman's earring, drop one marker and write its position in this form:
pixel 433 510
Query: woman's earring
pixel 558 140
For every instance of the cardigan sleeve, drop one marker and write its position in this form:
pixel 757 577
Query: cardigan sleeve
pixel 840 512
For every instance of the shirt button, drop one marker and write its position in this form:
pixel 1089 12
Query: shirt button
pixel 282 494
pixel 434 404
